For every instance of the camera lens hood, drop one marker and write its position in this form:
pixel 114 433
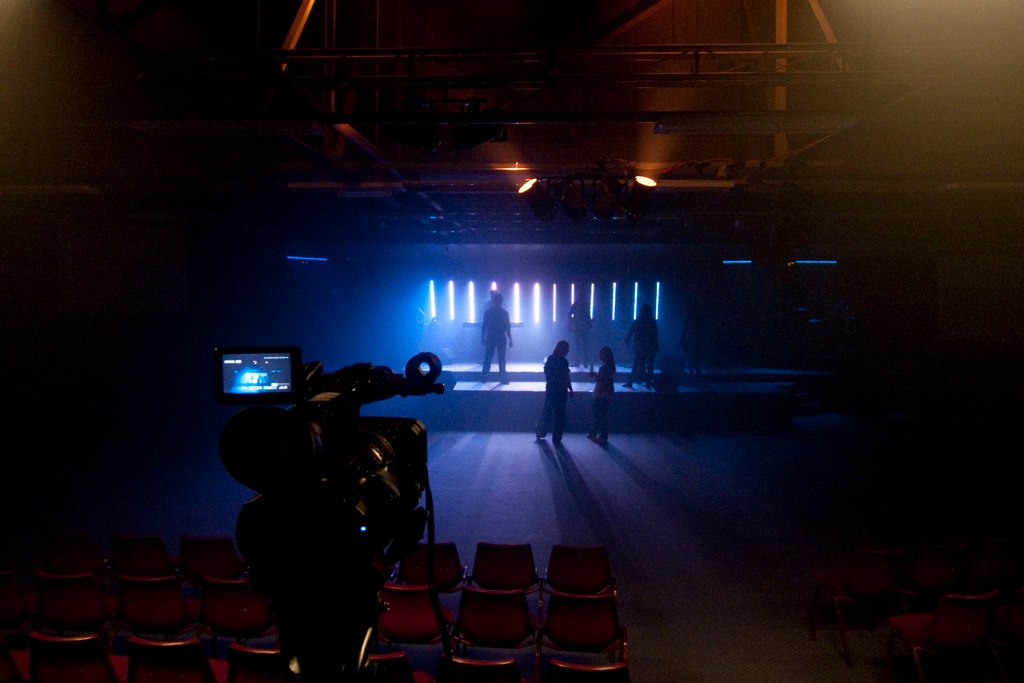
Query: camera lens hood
pixel 270 448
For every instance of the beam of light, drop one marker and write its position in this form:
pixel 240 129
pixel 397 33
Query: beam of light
pixel 736 262
pixel 306 258
pixel 657 298
pixel 636 295
pixel 516 317
pixel 591 312
pixel 615 290
pixel 572 293
pixel 554 302
pixel 472 303
pixel 451 300
pixel 433 303
pixel 536 303
pixel 494 287
pixel 816 262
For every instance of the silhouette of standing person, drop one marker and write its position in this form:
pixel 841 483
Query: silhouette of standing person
pixel 643 336
pixel 557 390
pixel 494 330
pixel 579 325
pixel 604 388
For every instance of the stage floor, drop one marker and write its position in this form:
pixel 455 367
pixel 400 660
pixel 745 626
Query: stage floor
pixel 717 399
pixel 529 377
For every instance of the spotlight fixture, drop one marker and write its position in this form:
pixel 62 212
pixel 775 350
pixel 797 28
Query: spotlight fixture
pixel 606 197
pixel 467 136
pixel 639 198
pixel 572 200
pixel 537 196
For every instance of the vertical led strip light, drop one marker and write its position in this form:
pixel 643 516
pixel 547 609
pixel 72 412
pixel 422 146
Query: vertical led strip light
pixel 451 299
pixel 536 303
pixel 517 303
pixel 432 304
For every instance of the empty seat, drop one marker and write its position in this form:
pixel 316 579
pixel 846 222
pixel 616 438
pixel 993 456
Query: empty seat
pixel 213 556
pixel 504 566
pixel 172 661
pixel 581 624
pixel 73 552
pixel 73 603
pixel 393 667
pixel 156 605
pixel 79 658
pixel 959 625
pixel 934 569
pixel 258 665
pixel 995 564
pixel 140 555
pixel 449 572
pixel 409 616
pixel 493 619
pixel 232 608
pixel 583 569
pixel 468 670
pixel 870 579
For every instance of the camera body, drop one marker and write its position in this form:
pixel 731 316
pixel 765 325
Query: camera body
pixel 337 494
pixel 375 468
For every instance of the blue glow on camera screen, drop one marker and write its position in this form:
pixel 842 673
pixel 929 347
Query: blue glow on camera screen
pixel 257 373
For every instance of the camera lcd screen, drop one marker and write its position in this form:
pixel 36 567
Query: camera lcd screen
pixel 252 375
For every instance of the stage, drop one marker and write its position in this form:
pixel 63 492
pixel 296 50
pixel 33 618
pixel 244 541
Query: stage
pixel 716 399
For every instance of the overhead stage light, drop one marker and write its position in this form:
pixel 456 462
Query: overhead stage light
pixel 606 197
pixel 539 199
pixel 607 194
pixel 465 137
pixel 468 135
pixel 639 198
pixel 572 200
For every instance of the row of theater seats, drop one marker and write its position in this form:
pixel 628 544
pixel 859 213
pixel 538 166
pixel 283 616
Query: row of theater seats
pixel 937 598
pixel 142 555
pixel 139 590
pixel 202 596
pixel 499 605
pixel 84 659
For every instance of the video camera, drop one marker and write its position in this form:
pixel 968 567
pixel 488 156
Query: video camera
pixel 338 494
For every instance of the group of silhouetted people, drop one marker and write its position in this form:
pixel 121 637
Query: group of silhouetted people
pixel 641 338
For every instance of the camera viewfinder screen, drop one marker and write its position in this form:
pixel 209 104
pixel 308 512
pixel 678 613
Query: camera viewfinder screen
pixel 258 375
